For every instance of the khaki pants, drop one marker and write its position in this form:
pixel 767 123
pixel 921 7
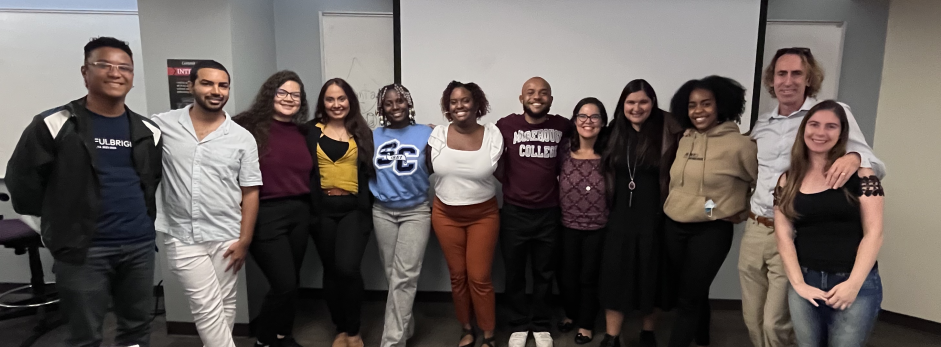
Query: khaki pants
pixel 764 288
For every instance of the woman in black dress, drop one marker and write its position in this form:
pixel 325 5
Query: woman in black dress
pixel 640 151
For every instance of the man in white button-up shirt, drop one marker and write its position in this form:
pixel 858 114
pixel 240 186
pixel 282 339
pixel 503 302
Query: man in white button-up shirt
pixel 210 201
pixel 794 78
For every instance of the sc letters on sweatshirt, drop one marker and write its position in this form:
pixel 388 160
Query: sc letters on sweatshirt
pixel 402 158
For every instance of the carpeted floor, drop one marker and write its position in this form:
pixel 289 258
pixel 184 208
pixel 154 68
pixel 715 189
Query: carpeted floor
pixel 436 327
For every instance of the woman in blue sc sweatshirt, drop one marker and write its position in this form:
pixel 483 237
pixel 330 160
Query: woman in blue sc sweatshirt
pixel 401 212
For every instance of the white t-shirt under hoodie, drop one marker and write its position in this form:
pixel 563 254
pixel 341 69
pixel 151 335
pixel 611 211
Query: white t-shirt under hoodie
pixel 464 178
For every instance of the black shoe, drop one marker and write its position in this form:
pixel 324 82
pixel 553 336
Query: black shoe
pixel 288 341
pixel 565 327
pixel 610 341
pixel 647 339
pixel 582 339
pixel 489 342
pixel 472 334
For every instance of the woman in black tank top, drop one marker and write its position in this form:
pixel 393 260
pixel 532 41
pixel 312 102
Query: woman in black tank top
pixel 829 238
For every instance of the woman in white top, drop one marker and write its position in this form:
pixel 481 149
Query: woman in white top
pixel 465 216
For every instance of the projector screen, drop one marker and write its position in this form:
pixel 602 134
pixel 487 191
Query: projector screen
pixel 582 48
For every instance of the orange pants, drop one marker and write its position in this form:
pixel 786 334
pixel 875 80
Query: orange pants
pixel 468 238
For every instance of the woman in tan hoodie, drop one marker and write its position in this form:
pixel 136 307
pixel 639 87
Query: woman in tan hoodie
pixel 710 180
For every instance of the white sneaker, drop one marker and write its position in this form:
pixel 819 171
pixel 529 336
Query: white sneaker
pixel 518 339
pixel 543 339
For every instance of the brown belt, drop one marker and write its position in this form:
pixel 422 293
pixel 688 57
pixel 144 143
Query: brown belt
pixel 768 222
pixel 335 192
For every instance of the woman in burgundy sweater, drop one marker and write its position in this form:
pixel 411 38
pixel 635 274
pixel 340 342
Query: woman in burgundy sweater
pixel 584 215
pixel 276 119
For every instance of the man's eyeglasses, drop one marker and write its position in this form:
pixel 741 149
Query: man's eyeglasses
pixel 284 94
pixel 105 66
pixel 584 118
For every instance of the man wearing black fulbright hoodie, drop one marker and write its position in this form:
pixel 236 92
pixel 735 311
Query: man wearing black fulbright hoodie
pixel 530 220
pixel 90 169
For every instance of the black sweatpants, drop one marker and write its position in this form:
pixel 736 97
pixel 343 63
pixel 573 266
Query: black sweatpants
pixel 529 234
pixel 696 251
pixel 578 274
pixel 278 247
pixel 340 237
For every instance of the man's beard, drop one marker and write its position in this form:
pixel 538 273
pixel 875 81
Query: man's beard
pixel 206 106
pixel 530 112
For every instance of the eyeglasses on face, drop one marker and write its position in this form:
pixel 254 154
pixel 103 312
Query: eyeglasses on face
pixel 594 118
pixel 284 94
pixel 106 66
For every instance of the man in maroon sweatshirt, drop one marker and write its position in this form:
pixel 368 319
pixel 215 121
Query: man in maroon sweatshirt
pixel 530 218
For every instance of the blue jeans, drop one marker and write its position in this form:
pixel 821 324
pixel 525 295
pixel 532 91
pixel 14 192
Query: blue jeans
pixel 826 326
pixel 122 275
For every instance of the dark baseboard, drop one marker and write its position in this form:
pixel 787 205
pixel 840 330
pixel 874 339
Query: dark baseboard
pixel 242 329
pixel 890 317
pixel 725 304
pixel 189 328
pixel 911 322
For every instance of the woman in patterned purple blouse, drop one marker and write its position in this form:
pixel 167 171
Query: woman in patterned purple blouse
pixel 584 215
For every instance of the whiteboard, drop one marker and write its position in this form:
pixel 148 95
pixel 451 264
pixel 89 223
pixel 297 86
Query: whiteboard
pixel 40 64
pixel 825 40
pixel 358 47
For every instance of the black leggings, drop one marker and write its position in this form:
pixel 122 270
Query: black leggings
pixel 578 274
pixel 278 248
pixel 340 237
pixel 697 251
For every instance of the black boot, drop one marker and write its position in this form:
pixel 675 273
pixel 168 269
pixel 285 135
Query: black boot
pixel 647 339
pixel 610 341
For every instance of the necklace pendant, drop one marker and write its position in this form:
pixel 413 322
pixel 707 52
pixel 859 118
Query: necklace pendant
pixel 588 188
pixel 631 185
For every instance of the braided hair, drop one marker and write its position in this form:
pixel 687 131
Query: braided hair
pixel 380 111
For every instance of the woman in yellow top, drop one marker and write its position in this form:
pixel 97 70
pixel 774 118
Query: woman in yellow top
pixel 341 206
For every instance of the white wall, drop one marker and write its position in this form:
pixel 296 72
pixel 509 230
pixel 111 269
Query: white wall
pixel 906 130
pixel 253 49
pixel 582 48
pixel 83 5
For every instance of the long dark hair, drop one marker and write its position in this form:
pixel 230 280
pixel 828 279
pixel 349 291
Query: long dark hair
pixel 600 142
pixel 800 161
pixel 645 144
pixel 354 122
pixel 257 119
